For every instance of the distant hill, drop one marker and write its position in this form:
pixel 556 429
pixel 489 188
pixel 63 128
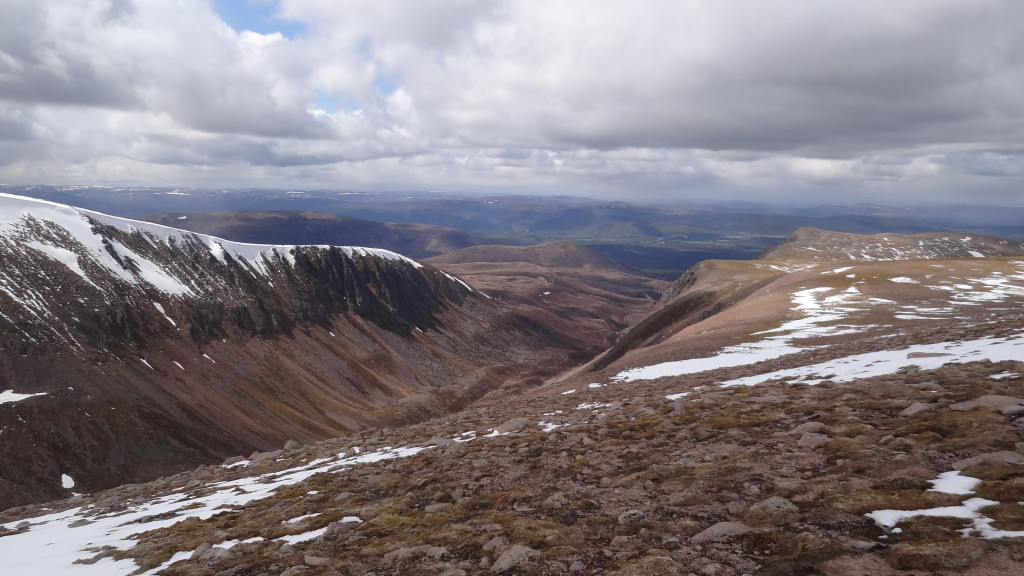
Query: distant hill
pixel 812 244
pixel 558 254
pixel 319 228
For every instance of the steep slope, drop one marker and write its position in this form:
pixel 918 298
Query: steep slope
pixel 131 350
pixel 839 419
pixel 307 227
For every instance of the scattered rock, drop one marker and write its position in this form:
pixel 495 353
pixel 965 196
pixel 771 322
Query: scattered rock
pixel 666 470
pixel 423 551
pixel 211 553
pixel 233 460
pixel 721 531
pixel 312 560
pixel 808 427
pixel 514 424
pixel 556 500
pixel 631 516
pixel 776 503
pixel 295 570
pixel 810 440
pixel 513 557
pixel 435 508
pixel 1005 404
pixel 338 529
pixel 261 456
pixel 577 566
pixel 620 542
pixel 916 408
pixel 291 445
pixel 496 542
pixel 997 458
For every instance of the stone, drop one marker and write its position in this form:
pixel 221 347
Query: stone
pixel 212 553
pixel 496 542
pixel 295 570
pixel 631 516
pixel 997 458
pixel 777 503
pixel 556 500
pixel 577 566
pixel 311 560
pixel 916 408
pixel 514 556
pixel 736 507
pixel 291 445
pixel 665 470
pixel 619 542
pixel 808 427
pixel 338 529
pixel 810 441
pixel 435 508
pixel 514 424
pixel 233 460
pixel 720 531
pixel 1008 405
pixel 261 456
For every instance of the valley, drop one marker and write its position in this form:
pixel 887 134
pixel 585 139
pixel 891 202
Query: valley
pixel 843 404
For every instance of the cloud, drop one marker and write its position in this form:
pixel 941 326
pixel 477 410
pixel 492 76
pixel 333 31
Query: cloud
pixel 614 98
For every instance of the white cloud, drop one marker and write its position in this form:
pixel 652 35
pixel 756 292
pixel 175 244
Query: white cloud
pixel 612 97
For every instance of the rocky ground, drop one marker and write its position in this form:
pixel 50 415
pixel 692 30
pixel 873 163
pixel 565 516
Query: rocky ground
pixel 618 479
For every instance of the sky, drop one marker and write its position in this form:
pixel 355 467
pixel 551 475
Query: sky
pixel 915 101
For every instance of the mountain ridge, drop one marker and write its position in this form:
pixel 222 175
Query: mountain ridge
pixel 160 348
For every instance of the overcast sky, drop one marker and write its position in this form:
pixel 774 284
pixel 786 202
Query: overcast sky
pixel 813 100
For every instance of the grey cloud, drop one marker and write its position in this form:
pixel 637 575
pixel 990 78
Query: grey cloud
pixel 15 124
pixel 662 97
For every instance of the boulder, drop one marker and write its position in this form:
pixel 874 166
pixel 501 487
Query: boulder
pixel 1008 405
pixel 721 531
pixel 514 556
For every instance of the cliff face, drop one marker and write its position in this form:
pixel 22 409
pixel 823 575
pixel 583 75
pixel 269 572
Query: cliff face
pixel 148 349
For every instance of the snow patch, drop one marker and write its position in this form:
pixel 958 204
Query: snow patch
pixel 10 396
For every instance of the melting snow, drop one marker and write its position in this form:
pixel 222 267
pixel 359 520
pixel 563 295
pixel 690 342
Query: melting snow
pixel 954 483
pixel 921 356
pixel 455 279
pixel 9 396
pixel 160 308
pixel 951 483
pixel 67 482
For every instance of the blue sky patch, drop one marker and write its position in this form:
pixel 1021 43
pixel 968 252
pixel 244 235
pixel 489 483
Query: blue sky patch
pixel 256 15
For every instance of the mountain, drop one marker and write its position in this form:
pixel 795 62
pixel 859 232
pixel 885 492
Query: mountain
pixel 309 227
pixel 718 302
pixel 787 415
pixel 131 350
pixel 662 240
pixel 816 245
